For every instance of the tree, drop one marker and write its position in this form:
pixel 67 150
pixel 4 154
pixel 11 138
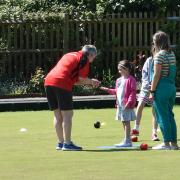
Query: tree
pixel 84 8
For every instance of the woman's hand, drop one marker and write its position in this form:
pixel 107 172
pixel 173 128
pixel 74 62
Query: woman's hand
pixel 149 87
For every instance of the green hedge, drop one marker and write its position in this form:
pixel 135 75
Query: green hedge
pixel 83 8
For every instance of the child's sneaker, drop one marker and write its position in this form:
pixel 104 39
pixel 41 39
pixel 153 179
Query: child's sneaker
pixel 59 146
pixel 71 147
pixel 124 144
pixel 134 132
pixel 155 137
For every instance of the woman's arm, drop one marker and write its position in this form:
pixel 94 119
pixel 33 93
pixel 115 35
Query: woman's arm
pixel 159 59
pixel 157 74
pixel 155 80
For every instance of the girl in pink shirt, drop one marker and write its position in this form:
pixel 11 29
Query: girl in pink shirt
pixel 125 92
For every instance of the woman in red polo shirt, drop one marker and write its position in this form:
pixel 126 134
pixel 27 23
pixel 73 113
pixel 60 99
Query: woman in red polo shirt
pixel 71 69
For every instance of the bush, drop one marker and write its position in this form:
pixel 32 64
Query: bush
pixel 107 80
pixel 14 87
pixel 36 83
pixel 83 8
pixel 85 91
pixel 171 27
pixel 11 86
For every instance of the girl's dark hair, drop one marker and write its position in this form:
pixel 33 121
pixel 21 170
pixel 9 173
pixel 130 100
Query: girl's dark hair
pixel 128 65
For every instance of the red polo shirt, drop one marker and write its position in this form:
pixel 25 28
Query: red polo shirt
pixel 66 73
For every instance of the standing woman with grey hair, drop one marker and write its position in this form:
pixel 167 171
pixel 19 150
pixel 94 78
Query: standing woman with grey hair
pixel 71 69
pixel 163 90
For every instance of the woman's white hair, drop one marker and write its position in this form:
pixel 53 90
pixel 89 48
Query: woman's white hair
pixel 90 49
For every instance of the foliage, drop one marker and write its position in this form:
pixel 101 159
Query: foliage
pixel 80 9
pixel 107 80
pixel 171 27
pixel 115 6
pixel 177 52
pixel 30 9
pixel 36 83
pixel 85 91
pixel 83 8
pixel 11 86
pixel 3 43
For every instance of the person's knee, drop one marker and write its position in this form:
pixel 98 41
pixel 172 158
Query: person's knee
pixel 57 116
pixel 58 120
pixel 140 106
pixel 126 123
pixel 67 115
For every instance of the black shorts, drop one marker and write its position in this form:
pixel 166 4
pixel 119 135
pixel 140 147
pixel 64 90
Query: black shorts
pixel 59 98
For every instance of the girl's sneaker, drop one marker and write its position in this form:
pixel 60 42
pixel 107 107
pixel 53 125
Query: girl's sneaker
pixel 71 147
pixel 155 137
pixel 59 146
pixel 124 144
pixel 134 132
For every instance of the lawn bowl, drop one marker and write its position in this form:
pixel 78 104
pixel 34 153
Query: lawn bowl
pixel 97 124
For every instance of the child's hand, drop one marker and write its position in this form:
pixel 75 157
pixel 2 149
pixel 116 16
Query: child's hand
pixel 103 88
pixel 151 97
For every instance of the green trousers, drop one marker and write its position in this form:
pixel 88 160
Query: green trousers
pixel 163 107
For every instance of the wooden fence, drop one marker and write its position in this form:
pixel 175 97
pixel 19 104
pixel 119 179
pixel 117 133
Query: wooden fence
pixel 25 45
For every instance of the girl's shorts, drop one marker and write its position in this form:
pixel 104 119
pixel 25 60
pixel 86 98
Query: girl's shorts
pixel 59 98
pixel 144 97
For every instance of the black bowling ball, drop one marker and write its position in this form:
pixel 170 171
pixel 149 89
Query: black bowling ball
pixel 97 124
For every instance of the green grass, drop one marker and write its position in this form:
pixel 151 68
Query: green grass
pixel 32 155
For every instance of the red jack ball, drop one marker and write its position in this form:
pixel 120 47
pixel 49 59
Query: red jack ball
pixel 143 146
